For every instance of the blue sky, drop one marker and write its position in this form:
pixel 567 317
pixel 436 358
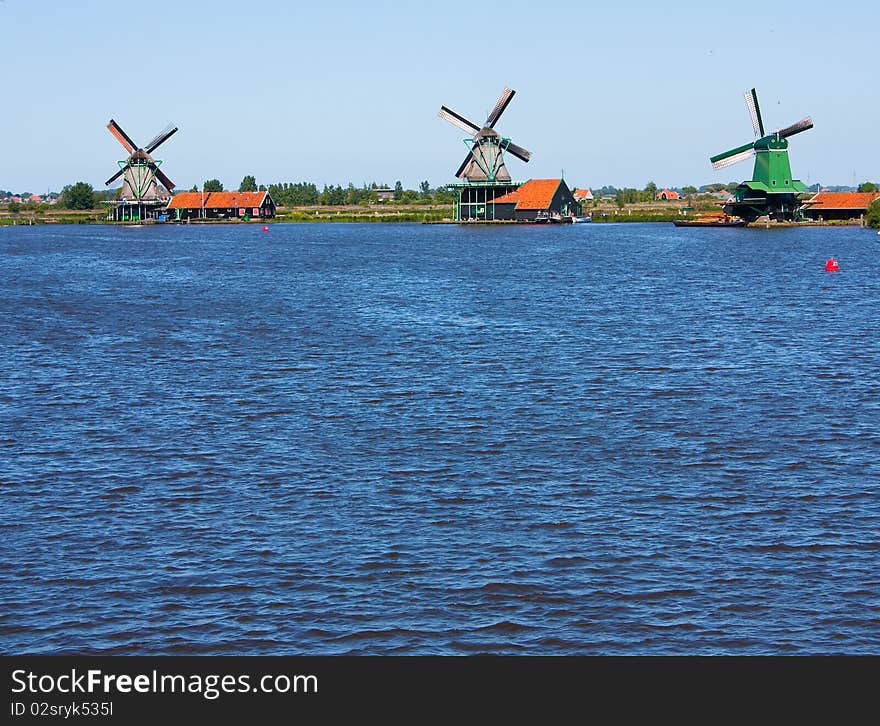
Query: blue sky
pixel 617 93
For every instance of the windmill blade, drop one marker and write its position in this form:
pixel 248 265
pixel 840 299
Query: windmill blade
pixel 755 112
pixel 460 121
pixel 734 156
pixel 519 152
pixel 464 164
pixel 161 138
pixel 121 136
pixel 169 185
pixel 733 159
pixel 495 113
pixel 115 176
pixel 804 124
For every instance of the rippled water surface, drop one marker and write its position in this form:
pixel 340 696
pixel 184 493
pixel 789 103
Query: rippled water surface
pixel 591 439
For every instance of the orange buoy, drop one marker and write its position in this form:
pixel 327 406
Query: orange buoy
pixel 831 265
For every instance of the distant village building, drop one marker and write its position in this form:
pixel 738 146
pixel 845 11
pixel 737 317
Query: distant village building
pixel 221 205
pixel 536 200
pixel 839 205
pixel 583 195
pixel 667 195
pixel 384 194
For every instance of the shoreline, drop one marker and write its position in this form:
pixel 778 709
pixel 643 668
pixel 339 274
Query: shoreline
pixel 392 220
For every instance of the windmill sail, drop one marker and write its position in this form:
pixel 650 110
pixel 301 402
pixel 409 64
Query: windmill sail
pixel 114 177
pixel 447 114
pixel 734 156
pixel 803 125
pixel 169 185
pixel 160 138
pixel 121 136
pixel 755 112
pixel 519 152
pixel 495 113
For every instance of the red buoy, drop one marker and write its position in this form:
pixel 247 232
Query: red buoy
pixel 831 265
pixel 265 228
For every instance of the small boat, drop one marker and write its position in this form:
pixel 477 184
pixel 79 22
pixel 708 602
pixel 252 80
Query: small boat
pixel 709 222
pixel 580 220
pixel 711 219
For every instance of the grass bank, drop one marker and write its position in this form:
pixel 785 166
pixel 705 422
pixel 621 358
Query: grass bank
pixel 407 213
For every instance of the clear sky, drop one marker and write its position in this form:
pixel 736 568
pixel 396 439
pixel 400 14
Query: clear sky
pixel 618 93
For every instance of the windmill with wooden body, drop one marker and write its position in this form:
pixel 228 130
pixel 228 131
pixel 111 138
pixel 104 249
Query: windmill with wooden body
pixel 772 191
pixel 483 172
pixel 145 187
pixel 486 147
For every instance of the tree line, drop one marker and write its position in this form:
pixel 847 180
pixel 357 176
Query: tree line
pixel 82 195
pixel 305 194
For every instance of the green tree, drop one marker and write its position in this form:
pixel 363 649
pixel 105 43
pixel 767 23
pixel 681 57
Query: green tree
pixel 868 187
pixel 689 190
pixel 248 184
pixel 443 196
pixel 873 216
pixel 352 194
pixel 650 191
pixel 213 185
pixel 14 207
pixel 398 190
pixel 78 196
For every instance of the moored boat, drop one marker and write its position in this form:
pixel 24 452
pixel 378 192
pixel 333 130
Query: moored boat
pixel 709 223
pixel 711 219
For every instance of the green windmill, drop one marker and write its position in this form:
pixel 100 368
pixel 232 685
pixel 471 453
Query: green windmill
pixel 772 191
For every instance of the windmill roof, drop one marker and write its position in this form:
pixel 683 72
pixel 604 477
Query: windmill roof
pixel 534 194
pixel 216 200
pixel 843 200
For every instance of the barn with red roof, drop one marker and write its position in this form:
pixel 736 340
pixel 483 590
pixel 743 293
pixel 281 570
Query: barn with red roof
pixel 839 205
pixel 221 205
pixel 537 200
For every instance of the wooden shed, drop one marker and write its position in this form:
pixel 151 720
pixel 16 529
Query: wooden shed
pixel 538 200
pixel 221 205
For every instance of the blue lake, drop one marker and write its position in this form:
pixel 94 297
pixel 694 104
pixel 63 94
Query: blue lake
pixel 428 439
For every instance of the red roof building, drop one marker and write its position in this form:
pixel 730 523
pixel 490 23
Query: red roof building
pixel 839 205
pixel 537 200
pixel 583 195
pixel 222 205
pixel 667 195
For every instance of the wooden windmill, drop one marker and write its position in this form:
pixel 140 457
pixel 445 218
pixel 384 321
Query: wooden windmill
pixel 141 176
pixel 485 158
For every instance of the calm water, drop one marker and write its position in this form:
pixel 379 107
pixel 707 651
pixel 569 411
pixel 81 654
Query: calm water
pixel 592 439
